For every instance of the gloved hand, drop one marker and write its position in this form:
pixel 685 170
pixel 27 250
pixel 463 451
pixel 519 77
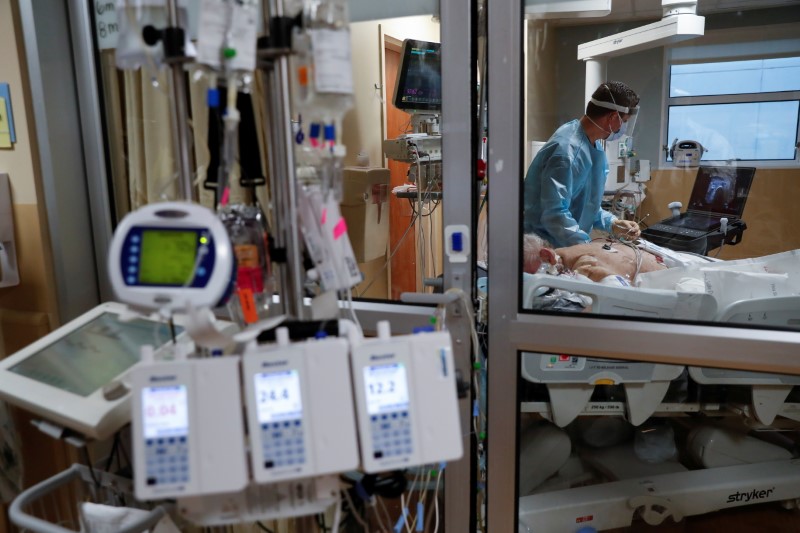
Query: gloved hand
pixel 625 229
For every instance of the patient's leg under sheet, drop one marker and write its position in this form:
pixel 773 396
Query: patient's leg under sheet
pixel 731 281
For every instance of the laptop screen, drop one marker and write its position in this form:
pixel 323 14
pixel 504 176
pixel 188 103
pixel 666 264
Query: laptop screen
pixel 721 190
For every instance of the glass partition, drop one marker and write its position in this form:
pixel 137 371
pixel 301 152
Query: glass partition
pixel 650 237
pixel 660 160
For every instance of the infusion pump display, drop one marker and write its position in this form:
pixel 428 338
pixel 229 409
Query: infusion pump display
pixel 168 256
pixel 165 412
pixel 386 388
pixel 278 396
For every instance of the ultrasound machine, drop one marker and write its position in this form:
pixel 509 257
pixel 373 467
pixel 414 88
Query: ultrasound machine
pixel 714 214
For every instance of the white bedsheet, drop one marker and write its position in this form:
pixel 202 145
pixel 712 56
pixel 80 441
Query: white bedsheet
pixel 772 276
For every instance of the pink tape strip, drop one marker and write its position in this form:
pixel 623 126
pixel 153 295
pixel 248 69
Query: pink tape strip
pixel 340 229
pixel 324 216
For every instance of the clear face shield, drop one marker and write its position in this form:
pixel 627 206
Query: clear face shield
pixel 633 113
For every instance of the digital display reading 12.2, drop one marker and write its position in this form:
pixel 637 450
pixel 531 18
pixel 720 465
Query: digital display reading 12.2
pixel 386 388
pixel 168 257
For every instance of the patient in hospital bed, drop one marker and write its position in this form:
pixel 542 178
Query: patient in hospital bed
pixel 729 282
pixel 596 260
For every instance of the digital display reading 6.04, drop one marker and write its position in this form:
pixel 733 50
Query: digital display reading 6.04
pixel 165 411
pixel 168 257
pixel 386 388
pixel 278 396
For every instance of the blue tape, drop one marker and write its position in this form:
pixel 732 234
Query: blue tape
pixel 330 132
pixel 400 521
pixel 212 98
pixel 420 516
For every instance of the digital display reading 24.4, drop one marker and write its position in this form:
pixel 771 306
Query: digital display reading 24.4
pixel 165 411
pixel 168 257
pixel 278 396
pixel 386 388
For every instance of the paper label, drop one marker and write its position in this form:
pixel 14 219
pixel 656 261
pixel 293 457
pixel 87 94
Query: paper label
pixel 228 24
pixel 333 68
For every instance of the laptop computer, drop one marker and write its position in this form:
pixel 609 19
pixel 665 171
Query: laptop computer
pixel 718 192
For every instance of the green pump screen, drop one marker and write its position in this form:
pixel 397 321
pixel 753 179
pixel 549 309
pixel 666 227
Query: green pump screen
pixel 167 257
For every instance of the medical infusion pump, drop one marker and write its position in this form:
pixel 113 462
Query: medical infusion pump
pixel 188 439
pixel 406 400
pixel 299 409
pixel 686 153
pixel 171 255
pixel 189 427
pixel 414 147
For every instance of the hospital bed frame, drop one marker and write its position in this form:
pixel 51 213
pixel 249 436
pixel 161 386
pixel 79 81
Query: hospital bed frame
pixel 673 495
pixel 646 384
pixel 657 498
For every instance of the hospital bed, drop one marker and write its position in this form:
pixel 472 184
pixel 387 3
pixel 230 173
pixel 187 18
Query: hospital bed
pixel 570 382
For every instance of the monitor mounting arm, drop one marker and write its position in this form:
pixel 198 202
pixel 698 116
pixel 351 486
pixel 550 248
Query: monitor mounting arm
pixel 679 22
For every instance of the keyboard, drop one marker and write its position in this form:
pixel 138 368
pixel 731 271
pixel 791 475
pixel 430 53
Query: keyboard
pixel 674 230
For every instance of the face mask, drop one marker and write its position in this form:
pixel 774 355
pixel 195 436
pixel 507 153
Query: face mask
pixel 619 133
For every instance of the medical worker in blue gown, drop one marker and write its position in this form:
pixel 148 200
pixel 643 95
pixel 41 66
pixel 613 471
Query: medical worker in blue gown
pixel 565 182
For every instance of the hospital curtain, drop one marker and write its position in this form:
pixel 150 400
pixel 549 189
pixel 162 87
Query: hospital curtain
pixel 139 135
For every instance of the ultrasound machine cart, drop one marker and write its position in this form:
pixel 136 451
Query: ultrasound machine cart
pixel 718 193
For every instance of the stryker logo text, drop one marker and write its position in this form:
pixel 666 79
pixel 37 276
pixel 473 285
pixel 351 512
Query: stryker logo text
pixel 379 357
pixel 754 494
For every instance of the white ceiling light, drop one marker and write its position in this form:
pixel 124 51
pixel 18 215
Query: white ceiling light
pixel 545 9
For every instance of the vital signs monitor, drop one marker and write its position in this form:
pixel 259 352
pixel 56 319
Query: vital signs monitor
pixel 171 255
pixel 75 376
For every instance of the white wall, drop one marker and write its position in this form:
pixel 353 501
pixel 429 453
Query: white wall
pixel 26 310
pixel 363 125
pixel 18 162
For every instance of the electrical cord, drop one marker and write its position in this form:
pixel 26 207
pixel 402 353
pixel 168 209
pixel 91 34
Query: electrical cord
pixel 89 465
pixel 405 512
pixel 264 528
pixel 389 259
pixel 436 499
pixel 113 453
pixel 354 512
pixel 351 308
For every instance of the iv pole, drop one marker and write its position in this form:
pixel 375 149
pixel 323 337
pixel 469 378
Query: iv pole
pixel 274 62
pixel 173 38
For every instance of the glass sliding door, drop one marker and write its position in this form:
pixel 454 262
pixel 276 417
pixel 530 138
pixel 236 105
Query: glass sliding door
pixel 643 272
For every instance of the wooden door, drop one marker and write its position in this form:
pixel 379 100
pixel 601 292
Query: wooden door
pixel 404 261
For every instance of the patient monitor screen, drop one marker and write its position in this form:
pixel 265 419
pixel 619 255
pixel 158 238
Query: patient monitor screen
pixel 278 396
pixel 386 388
pixel 165 411
pixel 89 357
pixel 168 257
pixel 419 80
pixel 721 190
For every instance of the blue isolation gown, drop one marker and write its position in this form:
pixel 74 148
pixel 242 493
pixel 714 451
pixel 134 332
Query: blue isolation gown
pixel 564 188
